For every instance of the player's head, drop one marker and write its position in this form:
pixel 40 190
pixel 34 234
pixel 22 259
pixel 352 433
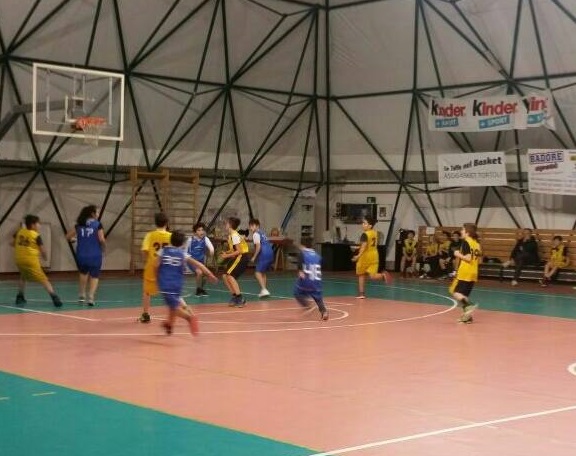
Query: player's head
pixel 526 233
pixel 557 240
pixel 368 222
pixel 31 221
pixel 199 229
pixel 410 234
pixel 470 230
pixel 87 212
pixel 254 224
pixel 177 238
pixel 307 242
pixel 160 219
pixel 233 222
pixel 455 235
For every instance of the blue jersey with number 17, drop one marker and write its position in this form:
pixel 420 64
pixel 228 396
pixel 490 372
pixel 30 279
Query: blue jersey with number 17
pixel 311 264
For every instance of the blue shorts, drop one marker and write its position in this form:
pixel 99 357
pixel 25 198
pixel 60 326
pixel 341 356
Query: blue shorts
pixel 263 263
pixel 172 300
pixel 90 266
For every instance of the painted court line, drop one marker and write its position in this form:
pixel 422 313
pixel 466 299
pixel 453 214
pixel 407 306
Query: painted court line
pixel 48 393
pixel 464 427
pixel 42 312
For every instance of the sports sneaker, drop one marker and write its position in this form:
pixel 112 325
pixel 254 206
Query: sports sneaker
pixel 240 302
pixel 361 296
pixel 91 303
pixel 324 315
pixel 233 301
pixel 56 301
pixel 202 292
pixel 144 318
pixel 468 310
pixel 514 283
pixel 167 327
pixel 264 293
pixel 194 326
pixel 466 320
pixel 20 299
pixel 81 300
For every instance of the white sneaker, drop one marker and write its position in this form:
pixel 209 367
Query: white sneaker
pixel 264 293
pixel 514 283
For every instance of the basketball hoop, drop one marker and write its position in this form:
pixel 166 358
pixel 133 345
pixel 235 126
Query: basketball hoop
pixel 91 127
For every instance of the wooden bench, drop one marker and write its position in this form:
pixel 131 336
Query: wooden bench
pixel 497 244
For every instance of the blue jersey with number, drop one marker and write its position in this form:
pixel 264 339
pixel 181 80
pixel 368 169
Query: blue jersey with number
pixel 311 265
pixel 197 248
pixel 266 253
pixel 88 245
pixel 171 270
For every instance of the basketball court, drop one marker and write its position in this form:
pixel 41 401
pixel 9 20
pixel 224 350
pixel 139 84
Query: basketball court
pixel 392 374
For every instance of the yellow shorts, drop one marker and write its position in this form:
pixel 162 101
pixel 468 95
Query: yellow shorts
pixel 32 273
pixel 560 264
pixel 151 287
pixel 366 268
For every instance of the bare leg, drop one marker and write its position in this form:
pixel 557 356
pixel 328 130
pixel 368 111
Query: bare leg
pixel 82 282
pixel 361 284
pixel 93 286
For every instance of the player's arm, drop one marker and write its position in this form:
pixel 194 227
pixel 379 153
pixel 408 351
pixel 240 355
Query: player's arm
pixel 101 237
pixel 363 246
pixel 209 245
pixel 71 235
pixel 235 249
pixel 41 247
pixel 197 264
pixel 145 247
pixel 465 254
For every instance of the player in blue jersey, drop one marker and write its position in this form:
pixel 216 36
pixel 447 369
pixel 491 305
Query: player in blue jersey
pixel 171 264
pixel 262 257
pixel 90 244
pixel 309 282
pixel 198 243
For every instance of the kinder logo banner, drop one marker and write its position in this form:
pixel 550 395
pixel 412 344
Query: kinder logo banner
pixel 552 171
pixel 487 169
pixel 489 114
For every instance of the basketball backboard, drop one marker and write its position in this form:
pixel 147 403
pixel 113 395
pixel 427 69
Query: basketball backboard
pixel 64 95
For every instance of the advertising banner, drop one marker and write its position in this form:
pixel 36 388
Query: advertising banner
pixel 552 171
pixel 509 112
pixel 479 169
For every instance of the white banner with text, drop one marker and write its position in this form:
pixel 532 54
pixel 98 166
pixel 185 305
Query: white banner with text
pixel 552 171
pixel 478 169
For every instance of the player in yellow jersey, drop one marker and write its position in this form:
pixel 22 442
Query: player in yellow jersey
pixel 558 259
pixel 367 257
pixel 237 257
pixel 152 243
pixel 470 256
pixel 28 248
pixel 409 253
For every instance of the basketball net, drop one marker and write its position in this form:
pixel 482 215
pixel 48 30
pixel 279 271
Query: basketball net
pixel 91 127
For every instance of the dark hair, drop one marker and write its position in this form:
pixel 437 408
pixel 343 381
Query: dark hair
pixel 557 238
pixel 234 222
pixel 371 220
pixel 177 238
pixel 446 233
pixel 85 214
pixel 30 220
pixel 197 226
pixel 254 221
pixel 472 230
pixel 307 242
pixel 160 219
pixel 456 232
pixel 244 232
pixel 410 231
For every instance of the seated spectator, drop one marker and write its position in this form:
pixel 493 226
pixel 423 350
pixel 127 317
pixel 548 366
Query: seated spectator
pixel 409 251
pixel 558 260
pixel 444 259
pixel 429 261
pixel 524 253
